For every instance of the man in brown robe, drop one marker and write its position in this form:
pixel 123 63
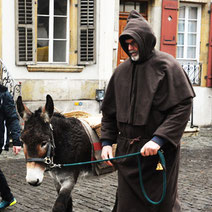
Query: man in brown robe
pixel 146 108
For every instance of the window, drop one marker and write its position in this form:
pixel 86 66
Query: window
pixel 188 44
pixel 52 31
pixel 55 32
pixel 140 6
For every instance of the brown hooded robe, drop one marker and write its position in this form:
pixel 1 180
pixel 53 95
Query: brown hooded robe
pixel 150 97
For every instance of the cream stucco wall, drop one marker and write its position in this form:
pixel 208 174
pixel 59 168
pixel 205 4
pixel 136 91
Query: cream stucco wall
pixel 155 19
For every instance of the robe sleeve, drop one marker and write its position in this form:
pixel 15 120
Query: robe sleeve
pixel 173 126
pixel 108 129
pixel 109 123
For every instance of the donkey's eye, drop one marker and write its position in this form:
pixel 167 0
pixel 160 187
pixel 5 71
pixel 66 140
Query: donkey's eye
pixel 43 144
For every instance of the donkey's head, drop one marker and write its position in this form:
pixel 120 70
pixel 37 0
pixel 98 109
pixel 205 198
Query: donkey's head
pixel 37 137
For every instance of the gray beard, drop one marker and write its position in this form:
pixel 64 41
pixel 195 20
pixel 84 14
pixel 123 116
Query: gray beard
pixel 135 58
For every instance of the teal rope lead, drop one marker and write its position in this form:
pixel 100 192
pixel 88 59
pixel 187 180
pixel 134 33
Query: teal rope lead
pixel 98 161
pixel 163 163
pixel 138 154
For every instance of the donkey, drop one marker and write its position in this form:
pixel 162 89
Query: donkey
pixel 47 137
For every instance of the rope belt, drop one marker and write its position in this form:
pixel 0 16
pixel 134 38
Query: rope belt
pixel 138 154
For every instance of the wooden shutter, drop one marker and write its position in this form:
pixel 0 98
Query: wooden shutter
pixel 209 77
pixel 86 32
pixel 122 56
pixel 168 41
pixel 25 44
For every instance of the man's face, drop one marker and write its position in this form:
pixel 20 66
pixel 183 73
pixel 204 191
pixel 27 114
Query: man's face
pixel 132 49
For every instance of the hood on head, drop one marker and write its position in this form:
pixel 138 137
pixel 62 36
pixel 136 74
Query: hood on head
pixel 140 30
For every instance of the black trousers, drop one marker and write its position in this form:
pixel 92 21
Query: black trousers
pixel 4 188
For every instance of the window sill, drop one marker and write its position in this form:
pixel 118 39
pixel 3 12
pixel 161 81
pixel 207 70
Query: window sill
pixel 54 68
pixel 196 1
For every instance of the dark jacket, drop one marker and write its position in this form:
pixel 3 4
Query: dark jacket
pixel 8 114
pixel 146 98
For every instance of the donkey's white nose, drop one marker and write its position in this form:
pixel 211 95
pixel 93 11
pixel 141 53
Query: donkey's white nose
pixel 34 183
pixel 34 176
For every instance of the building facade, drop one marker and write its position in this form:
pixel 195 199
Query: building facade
pixel 69 48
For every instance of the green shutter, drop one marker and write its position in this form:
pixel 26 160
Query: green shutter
pixel 25 45
pixel 86 32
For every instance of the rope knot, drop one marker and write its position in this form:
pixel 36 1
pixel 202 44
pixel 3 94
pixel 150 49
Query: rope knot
pixel 135 140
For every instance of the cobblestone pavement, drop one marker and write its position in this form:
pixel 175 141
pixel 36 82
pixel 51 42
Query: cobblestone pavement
pixel 97 194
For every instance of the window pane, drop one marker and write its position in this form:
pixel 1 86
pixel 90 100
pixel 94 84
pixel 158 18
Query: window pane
pixel 191 52
pixel 182 12
pixel 60 7
pixel 143 7
pixel 59 54
pixel 192 26
pixel 181 26
pixel 60 28
pixel 42 50
pixel 192 13
pixel 43 7
pixel 192 39
pixel 129 6
pixel 180 52
pixel 180 39
pixel 43 27
pixel 121 8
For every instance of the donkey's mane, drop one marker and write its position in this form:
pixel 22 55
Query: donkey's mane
pixel 59 115
pixel 56 114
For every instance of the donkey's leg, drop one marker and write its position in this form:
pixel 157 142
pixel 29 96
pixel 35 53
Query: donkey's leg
pixel 69 205
pixel 63 202
pixel 57 186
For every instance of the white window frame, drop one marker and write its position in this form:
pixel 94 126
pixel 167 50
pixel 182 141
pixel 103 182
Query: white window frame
pixel 51 34
pixel 185 58
pixel 81 36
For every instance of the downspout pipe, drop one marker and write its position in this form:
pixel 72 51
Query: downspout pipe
pixel 209 75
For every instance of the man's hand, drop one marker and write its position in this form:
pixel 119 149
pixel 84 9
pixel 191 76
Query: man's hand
pixel 150 148
pixel 107 153
pixel 16 149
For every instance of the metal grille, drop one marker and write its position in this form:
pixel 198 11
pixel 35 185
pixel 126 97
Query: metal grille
pixel 86 44
pixel 8 81
pixel 193 71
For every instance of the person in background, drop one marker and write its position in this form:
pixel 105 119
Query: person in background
pixel 9 116
pixel 146 108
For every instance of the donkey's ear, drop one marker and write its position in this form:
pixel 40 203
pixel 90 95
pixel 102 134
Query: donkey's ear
pixel 23 110
pixel 48 110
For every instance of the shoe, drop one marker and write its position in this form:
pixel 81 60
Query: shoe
pixel 4 204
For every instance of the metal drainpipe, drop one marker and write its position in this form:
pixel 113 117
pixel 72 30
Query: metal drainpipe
pixel 209 75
